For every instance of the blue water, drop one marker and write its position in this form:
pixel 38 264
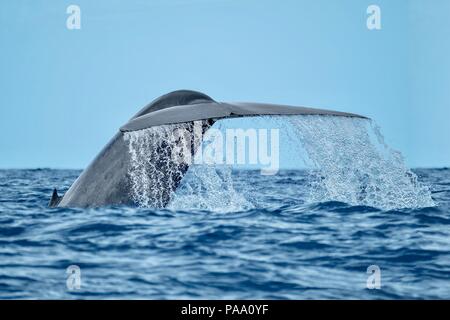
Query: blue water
pixel 281 248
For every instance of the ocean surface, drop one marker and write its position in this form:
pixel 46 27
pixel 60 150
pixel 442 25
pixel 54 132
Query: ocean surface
pixel 280 245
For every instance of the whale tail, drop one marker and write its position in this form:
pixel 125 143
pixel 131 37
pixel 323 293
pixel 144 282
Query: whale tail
pixel 108 179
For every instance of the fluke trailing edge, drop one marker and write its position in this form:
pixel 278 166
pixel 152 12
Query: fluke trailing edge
pixel 106 180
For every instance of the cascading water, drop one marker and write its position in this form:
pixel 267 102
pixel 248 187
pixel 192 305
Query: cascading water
pixel 347 157
pixel 209 186
pixel 154 177
pixel 157 163
pixel 149 176
pixel 351 163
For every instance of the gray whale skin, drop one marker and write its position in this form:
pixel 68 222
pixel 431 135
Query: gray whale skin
pixel 106 182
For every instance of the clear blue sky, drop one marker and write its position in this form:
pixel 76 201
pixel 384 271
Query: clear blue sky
pixel 64 93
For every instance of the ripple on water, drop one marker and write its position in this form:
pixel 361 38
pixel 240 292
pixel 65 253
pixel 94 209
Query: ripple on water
pixel 277 249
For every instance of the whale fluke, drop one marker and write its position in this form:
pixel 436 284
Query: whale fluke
pixel 106 181
pixel 218 110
